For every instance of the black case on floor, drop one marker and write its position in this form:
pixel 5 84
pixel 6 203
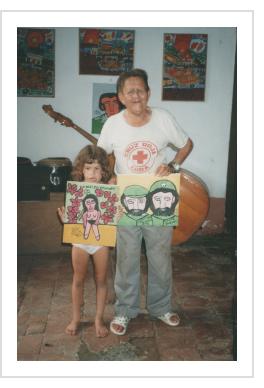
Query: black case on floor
pixel 32 181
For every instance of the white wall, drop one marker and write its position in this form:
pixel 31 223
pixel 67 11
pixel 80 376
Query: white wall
pixel 207 122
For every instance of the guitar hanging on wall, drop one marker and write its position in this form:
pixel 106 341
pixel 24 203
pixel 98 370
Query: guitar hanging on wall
pixel 194 197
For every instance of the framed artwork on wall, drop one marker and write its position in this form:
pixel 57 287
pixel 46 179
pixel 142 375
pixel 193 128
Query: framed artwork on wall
pixel 106 52
pixel 35 62
pixel 105 104
pixel 184 67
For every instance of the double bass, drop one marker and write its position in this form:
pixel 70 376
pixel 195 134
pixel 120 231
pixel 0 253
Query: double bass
pixel 194 197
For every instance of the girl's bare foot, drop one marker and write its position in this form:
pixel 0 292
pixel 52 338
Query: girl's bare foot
pixel 100 328
pixel 72 328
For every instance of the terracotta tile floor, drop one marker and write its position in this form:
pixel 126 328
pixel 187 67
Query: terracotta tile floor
pixel 204 271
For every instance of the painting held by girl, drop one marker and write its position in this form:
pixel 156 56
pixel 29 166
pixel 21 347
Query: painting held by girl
pixel 91 165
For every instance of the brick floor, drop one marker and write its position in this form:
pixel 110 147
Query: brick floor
pixel 204 271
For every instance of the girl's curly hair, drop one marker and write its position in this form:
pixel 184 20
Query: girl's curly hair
pixel 91 154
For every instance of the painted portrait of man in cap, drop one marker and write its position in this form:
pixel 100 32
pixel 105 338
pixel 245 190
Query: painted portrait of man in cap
pixel 135 202
pixel 163 198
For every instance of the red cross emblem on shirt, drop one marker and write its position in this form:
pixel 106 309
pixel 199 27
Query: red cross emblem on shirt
pixel 140 157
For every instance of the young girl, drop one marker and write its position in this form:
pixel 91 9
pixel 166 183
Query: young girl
pixel 91 165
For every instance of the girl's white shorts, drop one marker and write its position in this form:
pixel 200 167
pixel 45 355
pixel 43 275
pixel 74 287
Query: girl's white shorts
pixel 90 249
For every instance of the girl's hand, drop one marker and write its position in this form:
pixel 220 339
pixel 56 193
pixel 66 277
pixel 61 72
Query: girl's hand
pixel 61 213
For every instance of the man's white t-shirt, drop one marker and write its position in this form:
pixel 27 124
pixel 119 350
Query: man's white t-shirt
pixel 140 150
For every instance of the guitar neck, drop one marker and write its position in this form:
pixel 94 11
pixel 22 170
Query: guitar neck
pixel 67 122
pixel 87 135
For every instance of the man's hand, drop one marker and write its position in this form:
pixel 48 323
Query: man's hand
pixel 112 180
pixel 163 170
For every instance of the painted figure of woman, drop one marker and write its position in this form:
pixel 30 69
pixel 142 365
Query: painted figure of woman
pixel 91 216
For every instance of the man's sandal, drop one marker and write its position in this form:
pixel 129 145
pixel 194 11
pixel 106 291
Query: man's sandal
pixel 120 321
pixel 166 318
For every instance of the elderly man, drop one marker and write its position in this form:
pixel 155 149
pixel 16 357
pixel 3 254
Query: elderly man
pixel 139 136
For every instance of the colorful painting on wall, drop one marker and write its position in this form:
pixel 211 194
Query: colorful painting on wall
pixel 149 200
pixel 184 67
pixel 91 211
pixel 106 52
pixel 35 62
pixel 105 104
